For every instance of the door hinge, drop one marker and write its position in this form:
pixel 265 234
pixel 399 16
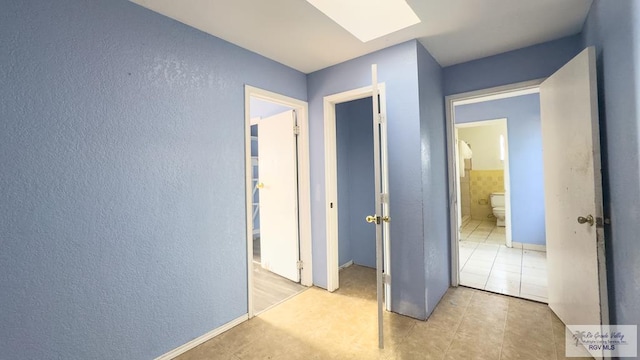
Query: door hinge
pixel 380 119
pixel 386 279
pixel 384 198
pixel 296 130
pixel 600 222
pixel 300 265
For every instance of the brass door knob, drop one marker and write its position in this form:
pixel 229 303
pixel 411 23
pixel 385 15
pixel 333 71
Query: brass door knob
pixel 589 219
pixel 373 219
pixel 260 186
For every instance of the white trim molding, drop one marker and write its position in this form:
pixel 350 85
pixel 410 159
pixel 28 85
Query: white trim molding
pixel 202 339
pixel 525 246
pixel 344 266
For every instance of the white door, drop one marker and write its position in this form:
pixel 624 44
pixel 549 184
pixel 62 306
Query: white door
pixel 278 193
pixel 577 289
pixel 381 216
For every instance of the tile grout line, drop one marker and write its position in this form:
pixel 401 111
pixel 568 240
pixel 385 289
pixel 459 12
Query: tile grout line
pixel 491 269
pixel 404 338
pixel 458 326
pixel 553 333
pixel 485 241
pixel 470 255
pixel 504 330
pixel 521 267
pixel 555 347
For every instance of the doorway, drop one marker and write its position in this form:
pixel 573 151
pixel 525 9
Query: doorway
pixel 356 189
pixel 335 209
pixel 572 191
pixel 277 193
pixel 500 241
pixel 483 185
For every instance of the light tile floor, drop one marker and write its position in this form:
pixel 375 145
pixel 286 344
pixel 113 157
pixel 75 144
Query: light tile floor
pixel 466 324
pixel 487 264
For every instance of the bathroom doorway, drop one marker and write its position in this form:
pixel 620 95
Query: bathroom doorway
pixel 483 182
pixel 499 222
pixel 558 134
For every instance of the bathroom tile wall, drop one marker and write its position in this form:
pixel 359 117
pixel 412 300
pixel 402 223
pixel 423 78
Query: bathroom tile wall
pixel 482 184
pixel 465 191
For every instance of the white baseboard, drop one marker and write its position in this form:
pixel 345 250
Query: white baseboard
pixel 201 339
pixel 349 263
pixel 526 246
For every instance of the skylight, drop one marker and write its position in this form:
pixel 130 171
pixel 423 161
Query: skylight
pixel 368 19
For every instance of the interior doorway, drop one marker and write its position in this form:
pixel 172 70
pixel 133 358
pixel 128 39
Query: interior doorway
pixel 499 215
pixel 355 170
pixel 572 190
pixel 354 102
pixel 483 186
pixel 277 191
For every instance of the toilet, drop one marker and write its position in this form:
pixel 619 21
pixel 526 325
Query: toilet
pixel 497 205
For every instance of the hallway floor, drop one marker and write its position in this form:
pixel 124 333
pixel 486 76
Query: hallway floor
pixel 487 264
pixel 316 324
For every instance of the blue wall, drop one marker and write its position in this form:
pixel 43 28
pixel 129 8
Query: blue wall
pixel 525 160
pixel 356 189
pixel 614 28
pixel 397 67
pixel 533 62
pixel 433 159
pixel 122 209
pixel 122 137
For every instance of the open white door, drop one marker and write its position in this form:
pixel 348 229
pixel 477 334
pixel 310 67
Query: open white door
pixel 577 288
pixel 278 191
pixel 381 216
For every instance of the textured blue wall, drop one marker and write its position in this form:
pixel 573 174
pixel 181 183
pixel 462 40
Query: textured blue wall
pixel 614 28
pixel 397 67
pixel 122 207
pixel 435 209
pixel 525 160
pixel 356 181
pixel 533 62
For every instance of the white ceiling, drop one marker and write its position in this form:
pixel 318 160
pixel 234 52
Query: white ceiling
pixel 296 34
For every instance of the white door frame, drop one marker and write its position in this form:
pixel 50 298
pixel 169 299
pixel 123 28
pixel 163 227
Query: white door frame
pixel 495 93
pixel 331 183
pixel 304 183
